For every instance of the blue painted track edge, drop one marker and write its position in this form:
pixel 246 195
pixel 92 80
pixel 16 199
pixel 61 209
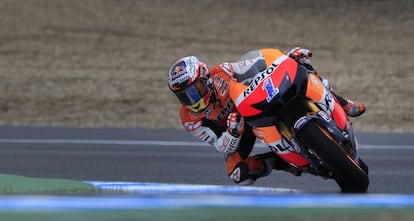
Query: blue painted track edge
pixel 139 196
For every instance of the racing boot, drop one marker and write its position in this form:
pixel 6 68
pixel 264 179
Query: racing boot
pixel 275 162
pixel 245 171
pixel 351 108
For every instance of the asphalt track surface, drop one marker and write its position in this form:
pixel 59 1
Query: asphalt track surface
pixel 173 156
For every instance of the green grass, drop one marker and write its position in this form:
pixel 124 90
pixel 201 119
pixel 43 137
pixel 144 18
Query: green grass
pixel 11 184
pixel 222 214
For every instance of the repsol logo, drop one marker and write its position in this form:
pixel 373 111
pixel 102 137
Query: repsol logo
pixel 259 78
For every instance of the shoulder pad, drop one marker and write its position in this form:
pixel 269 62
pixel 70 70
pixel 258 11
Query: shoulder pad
pixel 190 120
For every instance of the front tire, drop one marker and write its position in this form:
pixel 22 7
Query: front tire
pixel 347 172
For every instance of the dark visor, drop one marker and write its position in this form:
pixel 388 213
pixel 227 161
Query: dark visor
pixel 193 93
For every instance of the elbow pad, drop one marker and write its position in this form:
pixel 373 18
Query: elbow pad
pixel 227 143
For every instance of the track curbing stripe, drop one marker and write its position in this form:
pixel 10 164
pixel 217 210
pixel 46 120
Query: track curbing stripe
pixel 158 143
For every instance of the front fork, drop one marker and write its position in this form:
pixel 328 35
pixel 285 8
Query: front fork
pixel 344 138
pixel 328 107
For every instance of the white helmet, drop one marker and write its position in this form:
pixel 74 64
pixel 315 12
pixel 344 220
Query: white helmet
pixel 189 79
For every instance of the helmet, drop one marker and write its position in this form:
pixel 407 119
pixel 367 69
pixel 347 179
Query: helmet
pixel 189 79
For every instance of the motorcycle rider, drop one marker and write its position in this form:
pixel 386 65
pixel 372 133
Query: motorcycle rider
pixel 208 113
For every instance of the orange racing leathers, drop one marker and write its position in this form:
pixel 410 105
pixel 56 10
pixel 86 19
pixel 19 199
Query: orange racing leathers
pixel 210 125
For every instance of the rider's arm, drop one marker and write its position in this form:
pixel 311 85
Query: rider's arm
pixel 225 143
pixel 207 132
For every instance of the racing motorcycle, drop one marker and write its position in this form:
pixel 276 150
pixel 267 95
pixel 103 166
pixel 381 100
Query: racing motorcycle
pixel 292 111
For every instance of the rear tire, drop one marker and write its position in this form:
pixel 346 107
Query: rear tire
pixel 363 166
pixel 349 175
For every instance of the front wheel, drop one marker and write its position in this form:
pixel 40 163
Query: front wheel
pixel 347 172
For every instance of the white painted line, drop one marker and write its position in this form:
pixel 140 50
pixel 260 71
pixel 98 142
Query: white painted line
pixel 170 188
pixel 158 143
pixel 103 142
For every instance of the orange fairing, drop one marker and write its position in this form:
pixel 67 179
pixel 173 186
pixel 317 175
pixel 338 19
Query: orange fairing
pixel 317 92
pixel 264 85
pixel 268 134
pixel 271 136
pixel 315 89
pixel 235 89
pixel 340 116
pixel 270 54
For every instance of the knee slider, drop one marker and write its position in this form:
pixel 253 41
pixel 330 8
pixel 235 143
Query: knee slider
pixel 240 174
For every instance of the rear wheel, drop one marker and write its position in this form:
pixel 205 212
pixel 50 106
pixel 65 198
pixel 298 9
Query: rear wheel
pixel 363 165
pixel 349 175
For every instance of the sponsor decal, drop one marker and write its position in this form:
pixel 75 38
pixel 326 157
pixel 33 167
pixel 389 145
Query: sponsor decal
pixel 183 70
pixel 178 70
pixel 228 144
pixel 208 113
pixel 205 135
pixel 324 116
pixel 258 78
pixel 227 67
pixel 235 175
pixel 258 134
pixel 295 145
pixel 244 65
pixel 225 111
pixel 178 73
pixel 221 85
pixel 281 147
pixel 299 123
pixel 270 89
pixel 192 126
pixel 314 80
pixel 202 135
pixel 233 143
pixel 224 144
pixel 329 102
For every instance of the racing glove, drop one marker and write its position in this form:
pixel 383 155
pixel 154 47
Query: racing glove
pixel 229 141
pixel 235 124
pixel 301 55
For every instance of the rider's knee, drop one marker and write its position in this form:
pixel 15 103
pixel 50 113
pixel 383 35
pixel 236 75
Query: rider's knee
pixel 245 172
